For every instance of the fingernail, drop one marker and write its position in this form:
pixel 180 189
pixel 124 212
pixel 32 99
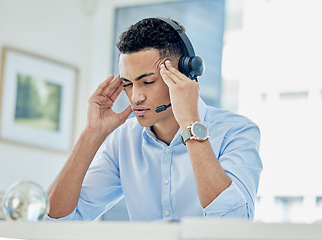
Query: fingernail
pixel 167 61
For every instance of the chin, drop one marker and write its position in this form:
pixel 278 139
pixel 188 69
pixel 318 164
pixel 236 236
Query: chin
pixel 144 122
pixel 152 119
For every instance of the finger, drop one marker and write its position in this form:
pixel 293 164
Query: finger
pixel 112 86
pixel 125 113
pixel 174 73
pixel 102 86
pixel 116 93
pixel 166 78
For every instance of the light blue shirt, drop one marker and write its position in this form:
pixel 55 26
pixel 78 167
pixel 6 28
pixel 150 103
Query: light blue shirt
pixel 157 180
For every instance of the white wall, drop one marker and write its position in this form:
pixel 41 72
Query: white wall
pixel 78 32
pixel 282 54
pixel 59 30
pixel 274 63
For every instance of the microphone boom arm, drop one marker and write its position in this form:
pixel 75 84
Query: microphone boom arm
pixel 162 108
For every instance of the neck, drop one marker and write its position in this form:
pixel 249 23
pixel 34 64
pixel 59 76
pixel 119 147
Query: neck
pixel 166 130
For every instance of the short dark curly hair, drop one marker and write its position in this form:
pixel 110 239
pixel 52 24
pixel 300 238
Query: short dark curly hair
pixel 152 33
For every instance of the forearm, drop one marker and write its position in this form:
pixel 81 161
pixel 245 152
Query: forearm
pixel 211 179
pixel 64 192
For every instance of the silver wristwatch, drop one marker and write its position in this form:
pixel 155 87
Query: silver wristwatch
pixel 197 131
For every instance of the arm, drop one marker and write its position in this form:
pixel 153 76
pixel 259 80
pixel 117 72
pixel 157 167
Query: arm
pixel 64 193
pixel 211 179
pixel 238 155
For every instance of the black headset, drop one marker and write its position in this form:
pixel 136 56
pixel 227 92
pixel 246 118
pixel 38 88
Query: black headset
pixel 189 64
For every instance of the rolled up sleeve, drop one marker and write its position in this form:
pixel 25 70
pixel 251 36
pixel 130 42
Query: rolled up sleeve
pixel 230 203
pixel 101 189
pixel 69 217
pixel 239 157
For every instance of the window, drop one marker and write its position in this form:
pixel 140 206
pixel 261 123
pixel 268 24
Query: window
pixel 204 24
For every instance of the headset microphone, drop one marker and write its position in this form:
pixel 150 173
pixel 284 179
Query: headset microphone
pixel 162 108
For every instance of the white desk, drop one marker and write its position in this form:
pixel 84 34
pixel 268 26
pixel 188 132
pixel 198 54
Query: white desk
pixel 206 229
pixel 88 230
pixel 188 229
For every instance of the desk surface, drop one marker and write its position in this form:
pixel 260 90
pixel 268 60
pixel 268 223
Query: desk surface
pixel 188 229
pixel 48 230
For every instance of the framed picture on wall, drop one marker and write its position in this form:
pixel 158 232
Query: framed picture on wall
pixel 37 100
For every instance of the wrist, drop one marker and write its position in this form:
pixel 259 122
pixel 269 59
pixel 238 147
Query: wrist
pixel 184 125
pixel 94 134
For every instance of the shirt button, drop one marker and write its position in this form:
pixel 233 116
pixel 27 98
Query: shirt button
pixel 167 150
pixel 165 181
pixel 166 213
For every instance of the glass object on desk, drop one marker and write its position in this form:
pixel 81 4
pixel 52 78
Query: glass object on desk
pixel 26 201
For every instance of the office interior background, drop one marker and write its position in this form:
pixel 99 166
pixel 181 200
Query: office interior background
pixel 263 60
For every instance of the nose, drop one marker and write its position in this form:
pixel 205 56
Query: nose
pixel 138 95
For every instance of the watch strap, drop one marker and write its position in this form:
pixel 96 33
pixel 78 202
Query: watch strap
pixel 185 135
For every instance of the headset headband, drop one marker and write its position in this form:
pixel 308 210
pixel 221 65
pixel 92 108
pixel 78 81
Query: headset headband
pixel 186 42
pixel 189 64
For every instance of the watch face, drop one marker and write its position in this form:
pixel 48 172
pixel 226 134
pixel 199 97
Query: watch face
pixel 200 131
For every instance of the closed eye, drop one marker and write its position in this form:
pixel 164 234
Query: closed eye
pixel 148 82
pixel 126 85
pixel 129 84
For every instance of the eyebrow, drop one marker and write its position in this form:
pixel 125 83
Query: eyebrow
pixel 139 77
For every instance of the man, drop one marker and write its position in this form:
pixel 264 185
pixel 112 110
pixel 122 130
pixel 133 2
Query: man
pixel 143 159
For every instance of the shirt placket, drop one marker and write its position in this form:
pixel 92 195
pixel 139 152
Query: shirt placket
pixel 166 183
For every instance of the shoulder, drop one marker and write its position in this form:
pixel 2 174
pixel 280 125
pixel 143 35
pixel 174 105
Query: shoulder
pixel 126 134
pixel 222 116
pixel 121 138
pixel 130 127
pixel 227 123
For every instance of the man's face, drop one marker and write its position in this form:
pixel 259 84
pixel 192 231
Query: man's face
pixel 146 90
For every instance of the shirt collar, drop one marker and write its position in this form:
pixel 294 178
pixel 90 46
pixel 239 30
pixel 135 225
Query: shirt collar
pixel 147 132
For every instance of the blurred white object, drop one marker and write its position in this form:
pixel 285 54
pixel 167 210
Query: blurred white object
pixel 26 201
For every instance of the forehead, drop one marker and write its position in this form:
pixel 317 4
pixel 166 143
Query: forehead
pixel 139 62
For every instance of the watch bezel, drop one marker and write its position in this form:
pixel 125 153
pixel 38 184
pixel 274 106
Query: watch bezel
pixel 189 133
pixel 194 135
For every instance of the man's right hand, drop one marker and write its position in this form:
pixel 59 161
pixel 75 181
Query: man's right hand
pixel 64 193
pixel 101 119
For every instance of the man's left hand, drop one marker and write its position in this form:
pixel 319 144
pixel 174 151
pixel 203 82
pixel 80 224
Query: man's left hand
pixel 184 95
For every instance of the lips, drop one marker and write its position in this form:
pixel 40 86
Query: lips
pixel 140 111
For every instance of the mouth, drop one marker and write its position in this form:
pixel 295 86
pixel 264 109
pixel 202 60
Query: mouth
pixel 140 111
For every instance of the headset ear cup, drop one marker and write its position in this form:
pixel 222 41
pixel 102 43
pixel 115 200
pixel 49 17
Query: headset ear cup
pixel 184 65
pixel 191 66
pixel 197 66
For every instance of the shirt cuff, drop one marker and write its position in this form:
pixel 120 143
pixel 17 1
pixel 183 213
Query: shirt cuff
pixel 230 203
pixel 69 217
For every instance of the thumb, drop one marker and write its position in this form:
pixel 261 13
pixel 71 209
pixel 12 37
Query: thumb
pixel 125 114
